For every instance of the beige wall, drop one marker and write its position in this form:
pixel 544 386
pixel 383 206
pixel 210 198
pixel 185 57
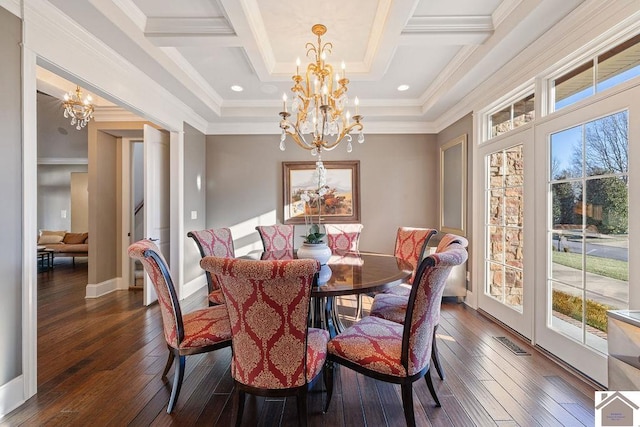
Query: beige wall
pixel 195 199
pixel 11 195
pixel 103 195
pixel 79 202
pixel 398 185
pixel 461 127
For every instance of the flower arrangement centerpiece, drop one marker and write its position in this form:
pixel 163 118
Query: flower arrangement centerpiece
pixel 313 245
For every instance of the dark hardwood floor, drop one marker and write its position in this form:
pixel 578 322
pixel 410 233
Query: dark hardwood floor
pixel 100 361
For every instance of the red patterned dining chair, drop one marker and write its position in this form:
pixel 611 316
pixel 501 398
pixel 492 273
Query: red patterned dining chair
pixel 410 245
pixel 278 237
pixel 400 352
pixel 343 237
pixel 275 353
pixel 199 331
pixel 393 306
pixel 214 242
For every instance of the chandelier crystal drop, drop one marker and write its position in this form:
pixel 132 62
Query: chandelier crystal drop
pixel 80 110
pixel 319 103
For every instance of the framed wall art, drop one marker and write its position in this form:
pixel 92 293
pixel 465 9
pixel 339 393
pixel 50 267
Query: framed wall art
pixel 453 186
pixel 337 202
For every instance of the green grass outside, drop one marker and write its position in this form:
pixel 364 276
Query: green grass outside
pixel 572 306
pixel 607 267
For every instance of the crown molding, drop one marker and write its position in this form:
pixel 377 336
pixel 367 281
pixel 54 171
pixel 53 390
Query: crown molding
pixel 593 23
pixel 115 114
pixel 449 24
pixel 99 68
pixel 189 26
pixel 503 11
pixel 134 13
pixel 12 6
pixel 271 128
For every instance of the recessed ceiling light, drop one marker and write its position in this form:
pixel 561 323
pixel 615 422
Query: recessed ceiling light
pixel 402 88
pixel 237 88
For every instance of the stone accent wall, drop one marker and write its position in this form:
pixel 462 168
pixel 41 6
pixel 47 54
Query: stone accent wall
pixel 506 179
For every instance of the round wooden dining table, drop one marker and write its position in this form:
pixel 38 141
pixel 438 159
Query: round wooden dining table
pixel 346 273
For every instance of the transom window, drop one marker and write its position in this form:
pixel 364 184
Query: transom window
pixel 603 71
pixel 511 116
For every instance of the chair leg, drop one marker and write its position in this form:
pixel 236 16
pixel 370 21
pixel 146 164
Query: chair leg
pixel 328 383
pixel 169 363
pixel 358 307
pixel 177 383
pixel 302 408
pixel 435 355
pixel 239 404
pixel 407 404
pixel 432 390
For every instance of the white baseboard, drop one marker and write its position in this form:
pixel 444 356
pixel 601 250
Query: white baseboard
pixel 193 286
pixel 11 395
pixel 100 289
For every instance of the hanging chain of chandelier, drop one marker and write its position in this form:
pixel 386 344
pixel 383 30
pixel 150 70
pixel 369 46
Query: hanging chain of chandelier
pixel 80 110
pixel 320 104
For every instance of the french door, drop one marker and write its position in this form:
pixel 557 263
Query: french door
pixel 504 183
pixel 586 193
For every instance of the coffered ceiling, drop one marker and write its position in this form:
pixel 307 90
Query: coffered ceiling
pixel 200 49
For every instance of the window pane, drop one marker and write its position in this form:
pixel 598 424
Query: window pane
pixel 606 209
pixel 515 166
pixel 566 260
pixel 566 205
pixel 513 206
pixel 513 247
pixel 566 309
pixel 574 86
pixel 496 207
pixel 618 65
pixel 566 154
pixel 501 121
pixel 496 244
pixel 495 281
pixel 496 170
pixel 523 111
pixel 513 288
pixel 606 145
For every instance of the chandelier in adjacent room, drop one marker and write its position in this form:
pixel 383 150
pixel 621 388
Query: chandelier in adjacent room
pixel 319 104
pixel 80 110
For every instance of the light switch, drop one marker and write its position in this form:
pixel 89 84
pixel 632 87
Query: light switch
pixel 63 213
pixel 194 214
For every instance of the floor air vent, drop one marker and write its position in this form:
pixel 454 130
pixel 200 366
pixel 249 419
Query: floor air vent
pixel 512 346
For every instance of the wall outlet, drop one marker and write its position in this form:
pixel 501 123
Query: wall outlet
pixel 63 213
pixel 194 214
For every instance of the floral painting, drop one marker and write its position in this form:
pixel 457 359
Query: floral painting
pixel 330 197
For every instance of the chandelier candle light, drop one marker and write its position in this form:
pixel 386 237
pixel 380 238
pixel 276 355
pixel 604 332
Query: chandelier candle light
pixel 319 103
pixel 80 111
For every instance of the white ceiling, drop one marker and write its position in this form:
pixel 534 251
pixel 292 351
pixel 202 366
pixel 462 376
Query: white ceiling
pixel 198 49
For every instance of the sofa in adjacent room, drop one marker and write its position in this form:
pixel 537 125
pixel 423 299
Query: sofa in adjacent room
pixel 65 244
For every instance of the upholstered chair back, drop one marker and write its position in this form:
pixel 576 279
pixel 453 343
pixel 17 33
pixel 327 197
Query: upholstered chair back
pixel 411 243
pixel 448 239
pixel 155 266
pixel 343 237
pixel 268 304
pixel 277 237
pixel 423 308
pixel 214 242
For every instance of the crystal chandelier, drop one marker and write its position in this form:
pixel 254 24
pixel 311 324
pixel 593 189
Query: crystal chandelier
pixel 319 104
pixel 80 111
